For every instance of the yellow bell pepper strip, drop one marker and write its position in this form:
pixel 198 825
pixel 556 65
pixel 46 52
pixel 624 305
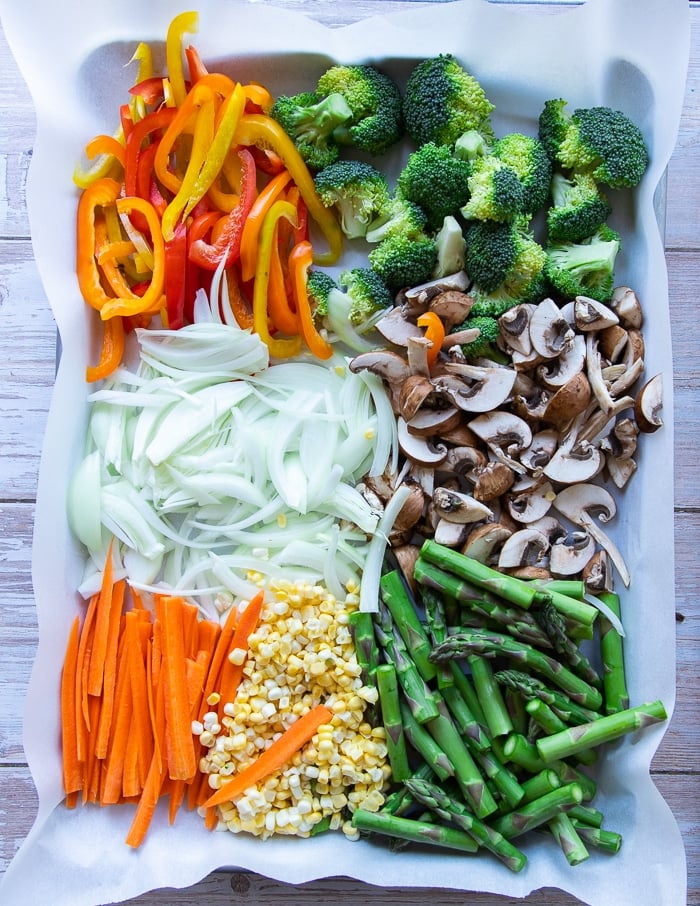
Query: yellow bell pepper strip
pixel 282 314
pixel 102 150
pixel 184 23
pixel 228 244
pixel 185 120
pixel 434 331
pixel 130 303
pixel 226 123
pixel 288 346
pixel 111 353
pixel 300 260
pixel 201 142
pixel 264 132
pixel 137 106
pixel 99 194
pixel 258 97
pixel 253 224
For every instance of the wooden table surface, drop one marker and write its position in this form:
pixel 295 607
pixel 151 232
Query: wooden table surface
pixel 27 357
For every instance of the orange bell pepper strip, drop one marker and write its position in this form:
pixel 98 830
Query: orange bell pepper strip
pixel 434 331
pixel 101 193
pixel 279 348
pixel 300 260
pixel 253 224
pixel 195 66
pixel 184 23
pixel 130 304
pixel 159 119
pixel 264 132
pixel 281 312
pixel 239 306
pixel 112 351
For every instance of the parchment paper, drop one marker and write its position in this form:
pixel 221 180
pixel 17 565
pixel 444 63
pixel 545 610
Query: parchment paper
pixel 630 54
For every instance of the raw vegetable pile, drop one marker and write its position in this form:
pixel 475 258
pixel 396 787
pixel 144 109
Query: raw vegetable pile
pixel 343 566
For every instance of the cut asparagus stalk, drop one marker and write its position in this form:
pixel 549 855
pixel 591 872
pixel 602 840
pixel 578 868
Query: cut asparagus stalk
pixel 388 688
pixel 413 831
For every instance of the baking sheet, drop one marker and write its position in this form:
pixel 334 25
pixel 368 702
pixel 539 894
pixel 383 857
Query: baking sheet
pixel 604 52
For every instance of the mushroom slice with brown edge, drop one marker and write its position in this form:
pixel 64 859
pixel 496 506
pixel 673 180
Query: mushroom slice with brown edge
pixel 569 555
pixel 455 506
pixel 493 481
pixel 559 371
pixel 528 547
pixel 464 462
pixel 514 325
pixel 542 448
pixel 414 391
pixel 429 422
pixel 478 388
pixel 597 575
pixel 594 372
pixel 550 526
pixel 424 292
pixel 485 541
pixel 505 434
pixel 574 462
pixel 408 516
pixel 550 334
pixel 418 355
pixel 396 328
pixel 418 449
pixel 590 314
pixel 625 304
pixel 582 503
pixel 529 500
pixel 452 307
pixel 451 534
pixel 568 401
pixel 648 405
pixel 388 365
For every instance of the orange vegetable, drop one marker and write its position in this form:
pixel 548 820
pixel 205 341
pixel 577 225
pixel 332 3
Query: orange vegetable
pixel 72 767
pixel 182 763
pixel 279 753
pixel 254 221
pixel 231 673
pixel 111 353
pixel 300 260
pixel 434 331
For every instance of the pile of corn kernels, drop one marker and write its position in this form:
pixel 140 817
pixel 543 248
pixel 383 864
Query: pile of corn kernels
pixel 301 654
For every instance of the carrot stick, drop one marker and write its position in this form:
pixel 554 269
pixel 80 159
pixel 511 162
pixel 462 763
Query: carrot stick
pixel 102 626
pixel 141 728
pixel 120 727
pixel 91 787
pixel 72 766
pixel 231 673
pixel 110 671
pixel 279 753
pixel 182 763
pixel 223 646
pixel 82 667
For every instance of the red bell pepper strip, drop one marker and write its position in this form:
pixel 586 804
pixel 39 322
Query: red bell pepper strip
pixel 99 194
pixel 228 245
pixel 159 119
pixel 300 260
pixel 176 277
pixel 111 353
pixel 434 331
pixel 196 67
pixel 197 229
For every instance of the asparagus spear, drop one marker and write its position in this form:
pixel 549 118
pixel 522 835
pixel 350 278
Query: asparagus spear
pixel 611 650
pixel 543 782
pixel 516 749
pixel 568 773
pixel 606 840
pixel 565 833
pixel 503 778
pixel 467 723
pixel 586 814
pixel 400 801
pixel 362 629
pixel 489 694
pixel 491 644
pixel 425 745
pixel 448 809
pixel 437 629
pixel 405 618
pixel 413 830
pixel 387 686
pixel 585 736
pixel 530 687
pixel 539 811
pixel 566 648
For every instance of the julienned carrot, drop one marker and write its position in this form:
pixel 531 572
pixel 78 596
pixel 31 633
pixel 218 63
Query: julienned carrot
pixel 182 763
pixel 121 723
pixel 72 767
pixel 141 721
pixel 232 672
pixel 110 670
pixel 279 753
pixel 102 626
pixel 82 667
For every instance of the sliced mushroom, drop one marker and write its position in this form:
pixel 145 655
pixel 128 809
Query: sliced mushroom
pixel 541 449
pixel 458 338
pixel 595 375
pixel 620 470
pixel 597 575
pixel 628 377
pixel 461 436
pixel 568 401
pixel 396 328
pixel 419 449
pixel 649 404
pixel 418 355
pixel 574 462
pixel 625 304
pixel 454 506
pixel 550 334
pixel 415 390
pixel 559 371
pixel 550 526
pixel 429 422
pixel 464 462
pixel 476 388
pixel 569 555
pixel 528 547
pixel 431 288
pixel 590 314
pixel 505 434
pixel 612 341
pixel 408 516
pixel 493 481
pixel 530 500
pixel 451 534
pixel 390 366
pixel 581 503
pixel 531 405
pixel 485 541
pixel 514 325
pixel 406 556
pixel 452 306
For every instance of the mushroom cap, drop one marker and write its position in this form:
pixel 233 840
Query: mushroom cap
pixel 502 431
pixel 578 501
pixel 396 328
pixel 569 555
pixel 389 365
pixel 569 400
pixel 625 303
pixel 455 506
pixel 418 449
pixel 571 465
pixel 559 371
pixel 527 547
pixel 488 388
pixel 649 403
pixel 530 500
pixel 484 540
pixel 550 333
pixel 593 315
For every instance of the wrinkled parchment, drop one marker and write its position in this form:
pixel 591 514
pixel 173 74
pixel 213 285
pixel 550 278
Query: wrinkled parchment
pixel 630 54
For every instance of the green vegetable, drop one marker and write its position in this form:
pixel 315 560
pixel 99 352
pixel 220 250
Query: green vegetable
pixel 309 119
pixel 528 157
pixel 495 191
pixel 615 692
pixel 597 140
pixel 578 208
pixel 348 308
pixel 565 833
pixel 484 346
pixel 442 101
pixel 413 830
pixel 318 287
pixel 375 101
pixel 391 718
pixel 538 812
pixel 584 268
pixel 404 261
pixel 356 190
pixel 436 180
pixel 398 217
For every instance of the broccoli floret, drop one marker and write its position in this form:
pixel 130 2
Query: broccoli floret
pixel 553 123
pixel 375 100
pixel 584 268
pixel 436 180
pixel 506 264
pixel 356 190
pixel 451 248
pixel 318 287
pixel 600 141
pixel 495 191
pixel 471 145
pixel 309 119
pixel 528 157
pixel 484 346
pixel 398 217
pixel 402 261
pixel 367 292
pixel 578 208
pixel 442 101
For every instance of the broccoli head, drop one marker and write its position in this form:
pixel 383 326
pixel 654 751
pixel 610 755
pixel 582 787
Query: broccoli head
pixel 309 119
pixel 529 158
pixel 484 346
pixel 402 261
pixel 442 101
pixel 318 287
pixel 367 292
pixel 375 100
pixel 584 268
pixel 495 191
pixel 349 308
pixel 398 217
pixel 436 180
pixel 600 141
pixel 356 190
pixel 506 264
pixel 578 208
